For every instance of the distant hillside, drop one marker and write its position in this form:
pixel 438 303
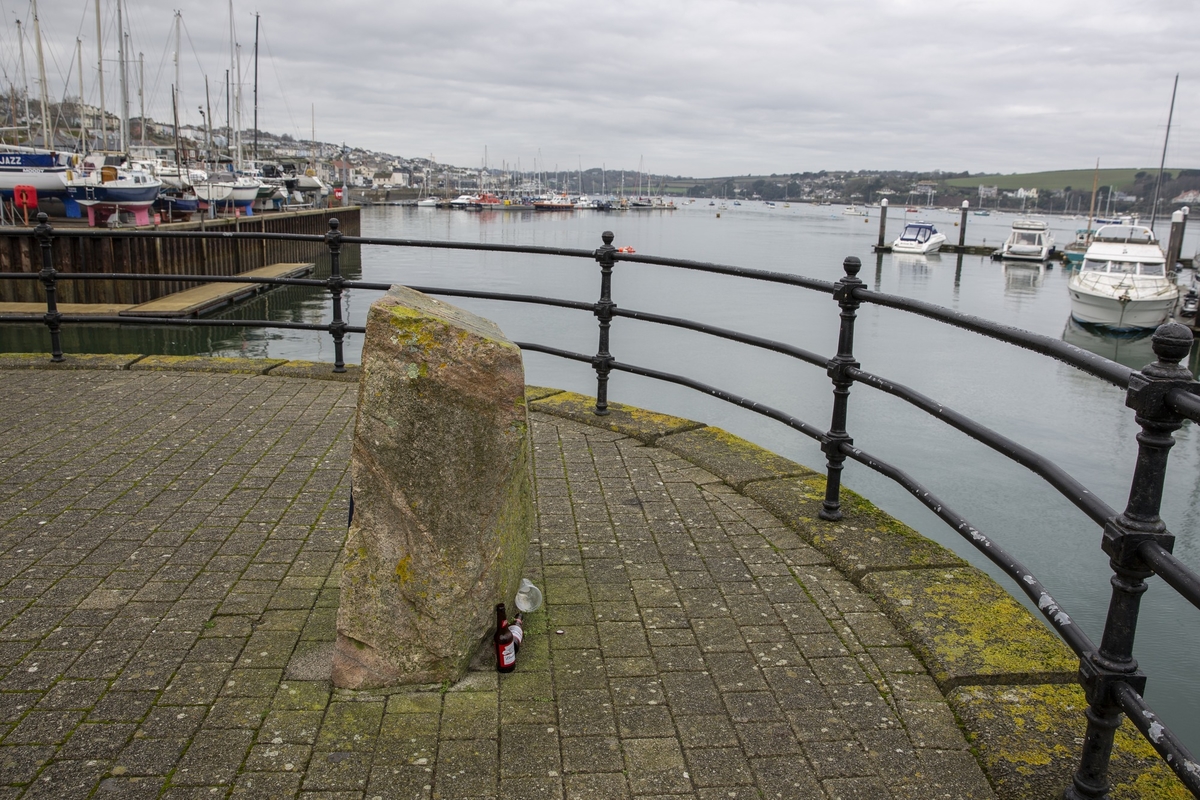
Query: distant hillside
pixel 1122 180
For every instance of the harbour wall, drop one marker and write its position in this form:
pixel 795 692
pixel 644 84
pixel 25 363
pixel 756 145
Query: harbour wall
pixel 79 250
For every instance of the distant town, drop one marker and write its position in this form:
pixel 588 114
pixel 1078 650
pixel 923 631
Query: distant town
pixel 376 175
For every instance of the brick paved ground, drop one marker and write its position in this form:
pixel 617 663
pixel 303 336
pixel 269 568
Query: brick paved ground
pixel 168 564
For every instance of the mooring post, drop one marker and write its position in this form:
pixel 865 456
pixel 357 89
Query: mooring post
pixel 962 225
pixel 1175 243
pixel 337 326
pixel 48 276
pixel 838 369
pixel 602 361
pixel 883 205
pixel 1140 523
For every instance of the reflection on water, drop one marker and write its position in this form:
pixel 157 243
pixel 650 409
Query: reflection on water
pixel 1132 349
pixel 1023 277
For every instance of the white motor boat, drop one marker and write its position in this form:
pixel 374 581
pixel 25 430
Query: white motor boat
pixel 1030 240
pixel 1123 281
pixel 464 201
pixel 428 202
pixel 919 237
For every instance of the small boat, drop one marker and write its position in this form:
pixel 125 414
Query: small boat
pixel 428 202
pixel 1190 301
pixel 487 202
pixel 919 237
pixel 1076 249
pixel 1029 240
pixel 1123 283
pixel 463 201
pixel 553 203
pixel 983 212
pixel 769 204
pixel 855 211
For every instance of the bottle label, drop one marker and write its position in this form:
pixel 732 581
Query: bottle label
pixel 518 633
pixel 508 655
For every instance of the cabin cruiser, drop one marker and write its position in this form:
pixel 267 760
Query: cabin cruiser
pixel 1030 240
pixel 919 237
pixel 1123 281
pixel 463 201
pixel 559 202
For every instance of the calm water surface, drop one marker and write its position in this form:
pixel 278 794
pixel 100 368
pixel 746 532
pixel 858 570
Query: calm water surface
pixel 1080 421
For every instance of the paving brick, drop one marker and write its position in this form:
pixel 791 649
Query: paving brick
pixel 164 632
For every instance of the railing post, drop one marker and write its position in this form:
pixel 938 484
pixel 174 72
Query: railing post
pixel 337 327
pixel 602 361
pixel 1123 536
pixel 838 369
pixel 48 275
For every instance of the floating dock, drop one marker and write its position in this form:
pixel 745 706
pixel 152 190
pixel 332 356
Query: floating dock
pixel 187 303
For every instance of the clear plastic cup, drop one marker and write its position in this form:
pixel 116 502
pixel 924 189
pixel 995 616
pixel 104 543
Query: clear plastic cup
pixel 529 597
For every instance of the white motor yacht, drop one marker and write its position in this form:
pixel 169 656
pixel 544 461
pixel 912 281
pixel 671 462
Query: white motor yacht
pixel 1123 281
pixel 919 237
pixel 1030 240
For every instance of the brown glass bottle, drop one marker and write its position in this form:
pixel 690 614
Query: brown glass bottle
pixel 502 641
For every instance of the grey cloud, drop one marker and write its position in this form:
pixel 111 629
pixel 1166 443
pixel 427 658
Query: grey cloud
pixel 700 87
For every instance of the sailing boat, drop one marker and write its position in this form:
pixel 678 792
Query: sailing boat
pixel 107 186
pixel 45 170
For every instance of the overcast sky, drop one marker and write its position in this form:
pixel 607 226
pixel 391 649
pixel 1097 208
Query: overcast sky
pixel 688 87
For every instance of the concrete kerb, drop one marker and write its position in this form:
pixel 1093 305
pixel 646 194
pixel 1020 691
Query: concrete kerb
pixel 1007 678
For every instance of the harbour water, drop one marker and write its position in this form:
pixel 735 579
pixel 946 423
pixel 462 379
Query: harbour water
pixel 1081 422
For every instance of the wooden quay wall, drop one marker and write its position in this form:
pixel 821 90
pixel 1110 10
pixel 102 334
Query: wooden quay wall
pixel 82 250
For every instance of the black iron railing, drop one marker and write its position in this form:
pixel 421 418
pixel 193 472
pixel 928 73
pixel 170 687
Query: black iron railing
pixel 1136 540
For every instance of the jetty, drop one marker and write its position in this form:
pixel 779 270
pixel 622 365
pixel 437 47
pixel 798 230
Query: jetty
pixel 174 529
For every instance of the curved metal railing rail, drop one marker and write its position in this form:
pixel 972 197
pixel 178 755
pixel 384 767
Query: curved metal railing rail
pixel 1138 543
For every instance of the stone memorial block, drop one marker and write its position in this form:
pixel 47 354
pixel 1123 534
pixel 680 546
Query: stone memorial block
pixel 443 501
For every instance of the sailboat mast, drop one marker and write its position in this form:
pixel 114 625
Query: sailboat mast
pixel 1162 163
pixel 1092 210
pixel 142 96
pixel 256 88
pixel 208 121
pixel 237 106
pixel 79 62
pixel 100 72
pixel 175 91
pixel 47 135
pixel 124 80
pixel 25 81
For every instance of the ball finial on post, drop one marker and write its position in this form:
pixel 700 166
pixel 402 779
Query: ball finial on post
pixel 852 265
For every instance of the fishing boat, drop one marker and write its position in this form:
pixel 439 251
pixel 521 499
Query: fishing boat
pixel 1075 251
pixel 919 237
pixel 486 202
pixel 1123 283
pixel 1029 240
